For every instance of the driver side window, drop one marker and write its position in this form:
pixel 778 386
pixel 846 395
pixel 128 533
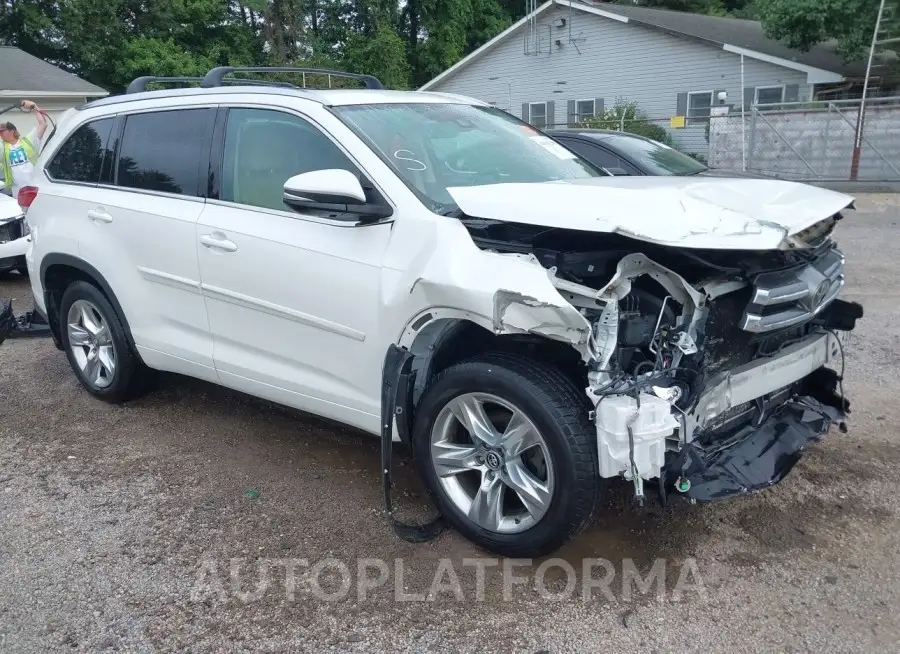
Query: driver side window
pixel 265 148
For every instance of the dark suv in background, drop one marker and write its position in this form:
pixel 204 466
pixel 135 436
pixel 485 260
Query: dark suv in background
pixel 621 153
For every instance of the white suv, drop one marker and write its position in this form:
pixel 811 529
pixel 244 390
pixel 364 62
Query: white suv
pixel 431 269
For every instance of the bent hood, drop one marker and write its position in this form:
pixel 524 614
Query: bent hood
pixel 713 213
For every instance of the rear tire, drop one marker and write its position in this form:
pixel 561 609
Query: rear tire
pixel 528 481
pixel 96 346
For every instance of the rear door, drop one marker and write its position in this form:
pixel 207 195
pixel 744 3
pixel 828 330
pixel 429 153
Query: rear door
pixel 138 228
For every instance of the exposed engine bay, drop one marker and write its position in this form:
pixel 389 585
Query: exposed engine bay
pixel 710 371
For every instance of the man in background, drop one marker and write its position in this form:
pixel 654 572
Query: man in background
pixel 21 152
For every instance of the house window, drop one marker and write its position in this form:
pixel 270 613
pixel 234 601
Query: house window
pixel 699 103
pixel 584 109
pixel 537 114
pixel 768 95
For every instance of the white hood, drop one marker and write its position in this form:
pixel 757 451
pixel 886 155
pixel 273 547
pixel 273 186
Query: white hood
pixel 9 208
pixel 694 212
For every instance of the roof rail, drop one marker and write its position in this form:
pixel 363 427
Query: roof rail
pixel 216 76
pixel 139 85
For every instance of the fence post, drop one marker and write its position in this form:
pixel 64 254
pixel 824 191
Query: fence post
pixel 752 137
pixel 826 164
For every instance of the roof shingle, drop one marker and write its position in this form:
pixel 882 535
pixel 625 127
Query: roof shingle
pixel 19 71
pixel 748 34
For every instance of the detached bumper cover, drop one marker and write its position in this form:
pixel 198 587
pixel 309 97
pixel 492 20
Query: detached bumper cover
pixel 754 457
pixel 30 325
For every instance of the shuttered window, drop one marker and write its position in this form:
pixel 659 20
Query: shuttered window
pixel 699 103
pixel 585 109
pixel 537 114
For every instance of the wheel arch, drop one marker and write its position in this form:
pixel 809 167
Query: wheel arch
pixel 57 272
pixel 441 337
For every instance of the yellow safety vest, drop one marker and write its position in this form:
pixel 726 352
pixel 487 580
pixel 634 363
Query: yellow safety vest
pixel 30 153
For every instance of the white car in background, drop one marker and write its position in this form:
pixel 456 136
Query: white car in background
pixel 13 236
pixel 431 269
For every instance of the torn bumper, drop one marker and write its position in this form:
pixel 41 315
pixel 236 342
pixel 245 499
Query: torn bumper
pixel 752 457
pixel 757 420
pixel 13 244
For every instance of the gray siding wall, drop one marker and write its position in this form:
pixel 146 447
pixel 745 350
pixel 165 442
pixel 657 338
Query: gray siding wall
pixel 615 60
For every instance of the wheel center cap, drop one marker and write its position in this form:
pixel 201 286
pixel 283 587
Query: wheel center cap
pixel 493 460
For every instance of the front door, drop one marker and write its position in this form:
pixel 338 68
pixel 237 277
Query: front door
pixel 292 299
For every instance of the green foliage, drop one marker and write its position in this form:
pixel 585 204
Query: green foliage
pixel 405 43
pixel 802 24
pixel 382 54
pixel 625 116
pixel 113 41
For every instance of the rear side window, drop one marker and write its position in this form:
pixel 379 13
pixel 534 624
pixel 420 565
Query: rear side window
pixel 161 151
pixel 598 156
pixel 81 156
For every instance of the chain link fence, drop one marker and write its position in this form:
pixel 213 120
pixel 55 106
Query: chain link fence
pixel 810 141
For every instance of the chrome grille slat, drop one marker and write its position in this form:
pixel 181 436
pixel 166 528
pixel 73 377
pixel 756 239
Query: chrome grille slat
pixel 790 297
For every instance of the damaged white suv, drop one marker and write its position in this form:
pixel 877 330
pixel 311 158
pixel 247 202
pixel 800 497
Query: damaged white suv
pixel 429 268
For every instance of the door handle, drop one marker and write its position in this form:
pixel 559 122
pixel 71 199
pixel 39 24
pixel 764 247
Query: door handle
pixel 99 215
pixel 210 241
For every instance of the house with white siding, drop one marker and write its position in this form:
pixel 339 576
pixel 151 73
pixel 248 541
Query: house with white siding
pixel 25 77
pixel 567 60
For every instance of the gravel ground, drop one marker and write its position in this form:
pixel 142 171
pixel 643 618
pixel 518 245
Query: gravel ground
pixel 171 524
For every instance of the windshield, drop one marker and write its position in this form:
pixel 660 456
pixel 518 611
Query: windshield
pixel 433 147
pixel 654 157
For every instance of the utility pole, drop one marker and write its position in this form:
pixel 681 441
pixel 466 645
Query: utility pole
pixel 877 41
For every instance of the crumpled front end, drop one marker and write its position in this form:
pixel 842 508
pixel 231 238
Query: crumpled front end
pixel 710 372
pixel 770 413
pixel 722 401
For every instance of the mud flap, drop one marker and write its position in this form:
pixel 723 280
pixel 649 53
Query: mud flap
pixel 757 457
pixel 396 377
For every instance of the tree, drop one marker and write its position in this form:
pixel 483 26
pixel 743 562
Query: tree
pixel 110 42
pixel 32 26
pixel 625 116
pixel 802 24
pixel 381 53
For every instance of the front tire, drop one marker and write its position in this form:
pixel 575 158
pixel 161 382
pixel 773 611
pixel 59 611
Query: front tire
pixel 95 344
pixel 507 450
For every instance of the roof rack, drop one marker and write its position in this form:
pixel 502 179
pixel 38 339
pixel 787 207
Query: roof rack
pixel 139 85
pixel 216 76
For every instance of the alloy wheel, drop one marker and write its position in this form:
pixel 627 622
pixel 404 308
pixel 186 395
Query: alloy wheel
pixel 492 462
pixel 91 344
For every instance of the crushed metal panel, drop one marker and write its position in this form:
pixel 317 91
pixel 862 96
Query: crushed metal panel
pixel 517 312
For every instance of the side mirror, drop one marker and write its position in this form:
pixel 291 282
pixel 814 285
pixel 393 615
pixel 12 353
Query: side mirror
pixel 333 186
pixel 335 192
